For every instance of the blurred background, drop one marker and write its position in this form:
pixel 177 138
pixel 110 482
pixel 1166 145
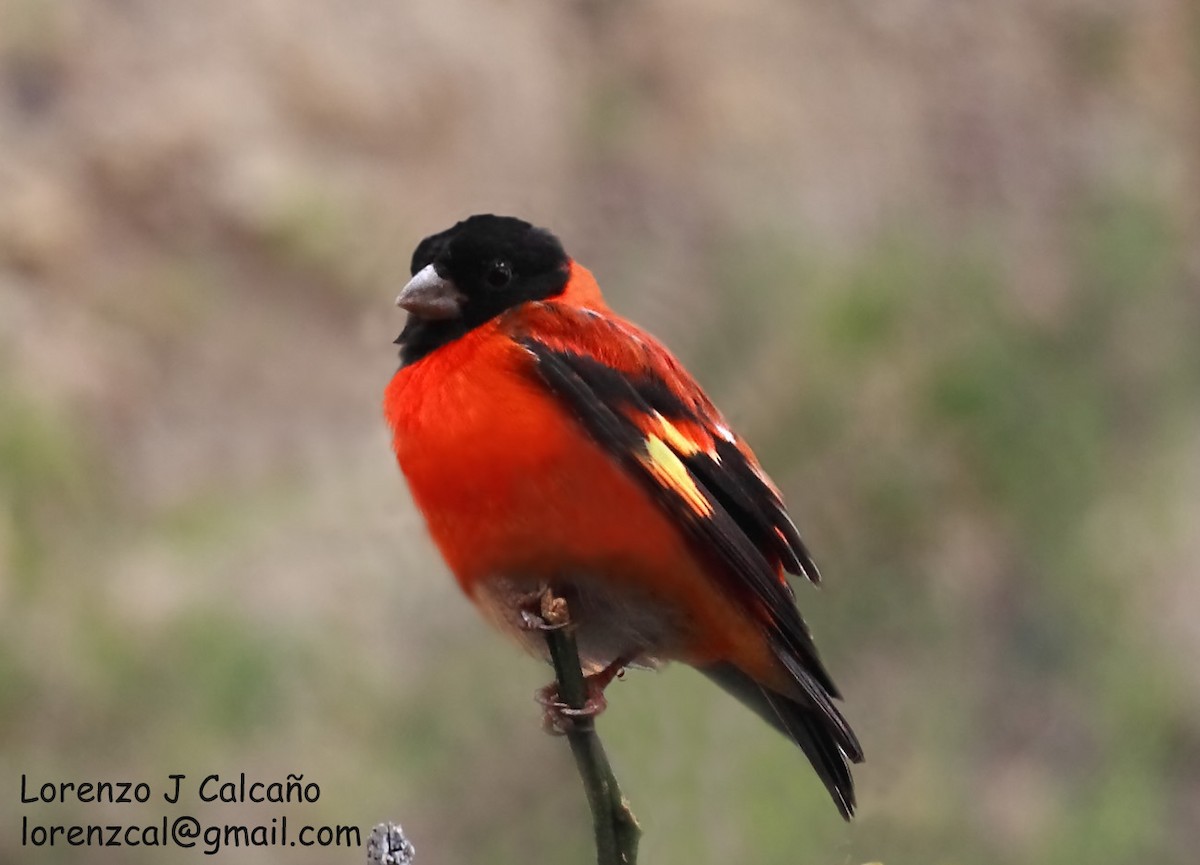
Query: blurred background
pixel 939 263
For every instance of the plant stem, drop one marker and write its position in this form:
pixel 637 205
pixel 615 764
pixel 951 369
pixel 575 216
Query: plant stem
pixel 617 830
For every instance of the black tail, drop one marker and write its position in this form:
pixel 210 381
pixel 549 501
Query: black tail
pixel 815 725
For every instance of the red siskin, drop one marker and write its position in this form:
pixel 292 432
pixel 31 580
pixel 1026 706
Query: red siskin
pixel 548 441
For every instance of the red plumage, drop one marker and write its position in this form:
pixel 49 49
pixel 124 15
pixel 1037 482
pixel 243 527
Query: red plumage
pixel 546 440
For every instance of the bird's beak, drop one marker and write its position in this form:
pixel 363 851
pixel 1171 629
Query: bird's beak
pixel 431 296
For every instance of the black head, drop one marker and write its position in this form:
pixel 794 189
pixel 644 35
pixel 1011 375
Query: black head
pixel 468 274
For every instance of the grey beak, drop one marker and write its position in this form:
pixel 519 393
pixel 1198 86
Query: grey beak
pixel 431 296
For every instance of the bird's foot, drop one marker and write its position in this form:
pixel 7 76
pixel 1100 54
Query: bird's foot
pixel 542 610
pixel 561 718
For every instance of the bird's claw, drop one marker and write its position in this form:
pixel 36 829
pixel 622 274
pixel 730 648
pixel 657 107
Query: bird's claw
pixel 542 610
pixel 561 718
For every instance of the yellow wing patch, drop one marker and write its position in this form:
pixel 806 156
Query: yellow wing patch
pixel 669 470
pixel 677 441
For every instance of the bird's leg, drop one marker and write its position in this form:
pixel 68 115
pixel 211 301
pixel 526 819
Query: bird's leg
pixel 560 717
pixel 542 610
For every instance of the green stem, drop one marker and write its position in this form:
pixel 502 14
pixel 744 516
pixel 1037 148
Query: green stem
pixel 617 830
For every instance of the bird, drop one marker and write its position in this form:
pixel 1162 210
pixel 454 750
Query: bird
pixel 549 442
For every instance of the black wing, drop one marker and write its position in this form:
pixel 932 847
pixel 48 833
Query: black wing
pixel 646 416
pixel 690 462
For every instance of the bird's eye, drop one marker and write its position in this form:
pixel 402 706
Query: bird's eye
pixel 499 275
